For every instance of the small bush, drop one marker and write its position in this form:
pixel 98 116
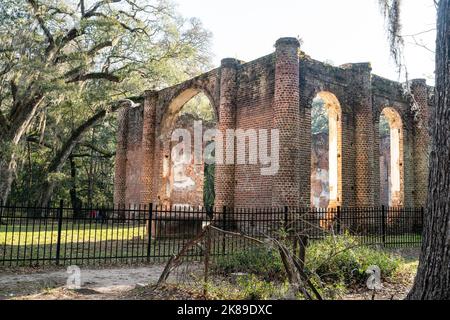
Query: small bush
pixel 334 264
pixel 247 287
pixel 342 260
pixel 259 261
pixel 255 289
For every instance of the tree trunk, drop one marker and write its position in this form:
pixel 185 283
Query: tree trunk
pixel 90 173
pixel 77 205
pixel 63 154
pixel 10 138
pixel 433 277
pixel 7 171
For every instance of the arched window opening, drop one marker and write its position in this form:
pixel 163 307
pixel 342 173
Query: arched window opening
pixel 185 182
pixel 391 158
pixel 326 153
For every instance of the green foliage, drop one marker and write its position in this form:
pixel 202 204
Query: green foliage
pixel 385 129
pixel 319 117
pixel 200 107
pixel 343 260
pixel 333 263
pixel 209 193
pixel 80 59
pixel 253 288
pixel 259 261
pixel 247 287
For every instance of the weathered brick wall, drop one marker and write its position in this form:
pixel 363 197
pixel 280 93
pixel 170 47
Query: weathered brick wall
pixel 148 147
pixel 134 156
pixel 225 173
pixel 168 103
pixel 254 110
pixel 390 94
pixel 317 78
pixel 286 119
pixel 421 93
pixel 120 175
pixel 276 91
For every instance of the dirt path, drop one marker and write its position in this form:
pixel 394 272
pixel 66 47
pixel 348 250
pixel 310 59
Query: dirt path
pixel 95 283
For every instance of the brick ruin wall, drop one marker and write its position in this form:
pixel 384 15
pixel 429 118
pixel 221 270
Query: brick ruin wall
pixel 276 92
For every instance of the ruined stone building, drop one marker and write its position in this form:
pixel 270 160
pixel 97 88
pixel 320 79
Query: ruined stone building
pixel 372 152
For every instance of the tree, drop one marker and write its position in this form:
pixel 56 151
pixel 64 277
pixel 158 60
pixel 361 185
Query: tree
pixel 56 56
pixel 433 276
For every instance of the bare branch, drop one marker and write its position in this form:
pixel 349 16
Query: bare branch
pixel 104 153
pixel 99 47
pixel 41 22
pixel 418 33
pixel 421 45
pixel 91 12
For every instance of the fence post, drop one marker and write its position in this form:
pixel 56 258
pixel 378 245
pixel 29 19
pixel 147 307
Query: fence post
pixel 286 218
pixel 207 256
pixel 1 211
pixel 149 231
pixel 383 224
pixel 338 222
pixel 58 243
pixel 224 244
pixel 422 216
pixel 302 251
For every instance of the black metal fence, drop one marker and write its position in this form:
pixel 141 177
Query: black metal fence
pixel 64 236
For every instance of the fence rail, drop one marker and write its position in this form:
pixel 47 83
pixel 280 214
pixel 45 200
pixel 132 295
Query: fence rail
pixel 133 234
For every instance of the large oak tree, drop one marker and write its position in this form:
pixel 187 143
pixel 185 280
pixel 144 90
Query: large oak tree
pixel 433 277
pixel 87 56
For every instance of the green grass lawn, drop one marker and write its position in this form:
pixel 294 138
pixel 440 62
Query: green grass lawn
pixel 70 233
pixel 81 243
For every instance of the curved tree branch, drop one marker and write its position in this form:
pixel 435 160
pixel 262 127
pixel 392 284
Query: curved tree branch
pixel 66 150
pixel 95 76
pixel 42 24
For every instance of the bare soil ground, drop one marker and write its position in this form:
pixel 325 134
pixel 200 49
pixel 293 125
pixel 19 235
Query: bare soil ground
pixel 96 283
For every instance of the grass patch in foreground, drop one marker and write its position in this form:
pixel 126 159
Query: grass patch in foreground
pixel 334 265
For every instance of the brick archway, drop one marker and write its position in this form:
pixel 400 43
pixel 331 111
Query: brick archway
pixel 392 162
pixel 179 183
pixel 331 158
pixel 275 92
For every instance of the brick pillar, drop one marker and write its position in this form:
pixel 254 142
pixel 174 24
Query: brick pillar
pixel 224 173
pixel 421 136
pixel 286 184
pixel 120 179
pixel 365 180
pixel 148 147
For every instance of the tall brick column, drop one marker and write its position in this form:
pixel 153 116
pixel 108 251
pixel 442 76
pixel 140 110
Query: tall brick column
pixel 421 135
pixel 224 173
pixel 365 181
pixel 148 147
pixel 120 183
pixel 286 184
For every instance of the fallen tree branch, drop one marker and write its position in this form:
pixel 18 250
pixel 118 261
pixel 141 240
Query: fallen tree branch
pixel 296 275
pixel 176 261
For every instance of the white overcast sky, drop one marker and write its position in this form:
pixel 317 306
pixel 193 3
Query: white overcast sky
pixel 338 31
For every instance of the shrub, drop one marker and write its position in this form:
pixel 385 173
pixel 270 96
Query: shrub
pixel 260 261
pixel 247 287
pixel 334 263
pixel 255 289
pixel 342 260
